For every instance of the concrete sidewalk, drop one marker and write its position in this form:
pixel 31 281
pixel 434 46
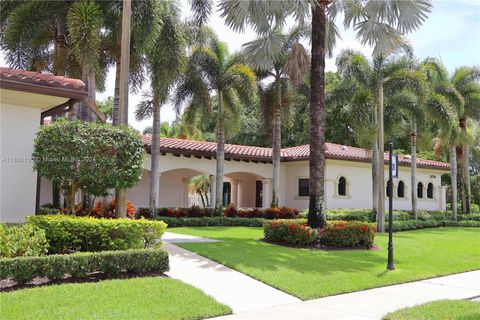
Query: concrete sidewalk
pixel 373 303
pixel 237 290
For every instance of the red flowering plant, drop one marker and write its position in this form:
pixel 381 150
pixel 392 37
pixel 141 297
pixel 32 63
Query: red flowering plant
pixel 293 232
pixel 348 234
pixel 230 211
pixel 101 211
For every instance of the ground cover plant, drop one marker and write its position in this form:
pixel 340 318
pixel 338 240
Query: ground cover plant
pixel 138 298
pixel 438 310
pixel 309 274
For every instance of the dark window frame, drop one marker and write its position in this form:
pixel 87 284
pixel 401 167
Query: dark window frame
pixel 430 190
pixel 304 190
pixel 342 186
pixel 420 190
pixel 401 189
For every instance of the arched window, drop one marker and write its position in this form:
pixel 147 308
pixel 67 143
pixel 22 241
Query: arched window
pixel 430 191
pixel 389 188
pixel 401 189
pixel 420 190
pixel 342 186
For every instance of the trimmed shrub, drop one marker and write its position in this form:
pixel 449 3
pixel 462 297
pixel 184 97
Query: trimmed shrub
pixel 69 233
pixel 22 241
pixel 79 265
pixel 212 221
pixel 294 232
pixel 421 224
pixel 348 234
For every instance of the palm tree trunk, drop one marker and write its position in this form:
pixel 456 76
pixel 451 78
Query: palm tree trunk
pixel 453 179
pixel 220 154
pixel 155 156
pixel 375 167
pixel 203 199
pixel 464 169
pixel 316 217
pixel 276 146
pixel 413 137
pixel 381 164
pixel 116 95
pixel 468 186
pixel 121 195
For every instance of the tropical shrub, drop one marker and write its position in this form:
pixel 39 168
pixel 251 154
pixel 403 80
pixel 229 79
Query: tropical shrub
pixel 348 234
pixel 22 241
pixel 69 233
pixel 293 232
pixel 79 265
pixel 99 210
pixel 90 157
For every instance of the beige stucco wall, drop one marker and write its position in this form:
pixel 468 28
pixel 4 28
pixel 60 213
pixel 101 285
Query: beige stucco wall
pixel 19 123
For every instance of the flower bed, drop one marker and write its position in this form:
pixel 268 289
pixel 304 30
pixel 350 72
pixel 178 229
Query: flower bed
pixel 69 233
pixel 348 234
pixel 292 232
pixel 212 221
pixel 79 265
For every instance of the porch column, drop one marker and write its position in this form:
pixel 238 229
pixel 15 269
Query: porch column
pixel 234 194
pixel 185 182
pixel 266 193
pixel 239 194
pixel 213 181
pixel 442 198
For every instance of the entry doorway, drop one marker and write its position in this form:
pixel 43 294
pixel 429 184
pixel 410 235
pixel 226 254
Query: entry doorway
pixel 227 193
pixel 258 194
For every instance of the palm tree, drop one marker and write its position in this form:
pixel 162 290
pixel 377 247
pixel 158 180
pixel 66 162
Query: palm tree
pixel 278 56
pixel 377 23
pixel 208 69
pixel 200 184
pixel 165 60
pixel 466 82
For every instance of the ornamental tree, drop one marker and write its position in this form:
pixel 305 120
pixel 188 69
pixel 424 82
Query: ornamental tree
pixel 87 156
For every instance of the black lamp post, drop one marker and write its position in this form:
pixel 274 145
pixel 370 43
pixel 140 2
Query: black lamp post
pixel 392 165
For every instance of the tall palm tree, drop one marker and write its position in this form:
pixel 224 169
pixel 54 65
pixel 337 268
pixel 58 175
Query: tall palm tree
pixel 377 23
pixel 277 55
pixel 165 60
pixel 211 69
pixel 466 81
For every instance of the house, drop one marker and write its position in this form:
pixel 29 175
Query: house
pixel 26 98
pixel 248 177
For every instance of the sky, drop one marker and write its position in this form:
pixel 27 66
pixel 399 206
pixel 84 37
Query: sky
pixel 451 33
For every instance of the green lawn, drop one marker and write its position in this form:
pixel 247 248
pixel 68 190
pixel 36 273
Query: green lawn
pixel 439 310
pixel 138 298
pixel 309 274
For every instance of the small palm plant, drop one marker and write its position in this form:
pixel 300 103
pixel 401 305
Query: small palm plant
pixel 211 70
pixel 200 185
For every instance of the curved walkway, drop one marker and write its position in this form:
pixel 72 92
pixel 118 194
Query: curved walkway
pixel 252 299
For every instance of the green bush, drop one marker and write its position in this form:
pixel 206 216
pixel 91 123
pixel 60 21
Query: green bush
pixel 348 234
pixel 472 216
pixel 22 241
pixel 212 221
pixel 421 224
pixel 69 233
pixel 289 231
pixel 79 265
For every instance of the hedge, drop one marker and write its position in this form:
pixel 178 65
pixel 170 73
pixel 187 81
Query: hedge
pixel 22 240
pixel 293 232
pixel 348 234
pixel 79 265
pixel 212 221
pixel 421 224
pixel 69 233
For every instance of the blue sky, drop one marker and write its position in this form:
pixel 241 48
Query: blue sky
pixel 451 33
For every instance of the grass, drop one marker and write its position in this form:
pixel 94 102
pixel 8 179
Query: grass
pixel 138 298
pixel 439 310
pixel 310 274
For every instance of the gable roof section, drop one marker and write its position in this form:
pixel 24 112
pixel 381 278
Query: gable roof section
pixel 41 83
pixel 239 152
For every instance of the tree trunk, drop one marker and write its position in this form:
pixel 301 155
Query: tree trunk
pixel 468 186
pixel 155 156
pixel 316 217
pixel 220 154
pixel 116 96
pixel 381 164
pixel 276 145
pixel 413 137
pixel 203 199
pixel 464 170
pixel 375 166
pixel 453 180
pixel 121 195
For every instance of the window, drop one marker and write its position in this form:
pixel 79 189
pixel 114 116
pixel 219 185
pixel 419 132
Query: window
pixel 342 186
pixel 420 190
pixel 401 189
pixel 389 189
pixel 430 191
pixel 303 187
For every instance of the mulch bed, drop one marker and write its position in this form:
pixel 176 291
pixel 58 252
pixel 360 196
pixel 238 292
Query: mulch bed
pixel 319 246
pixel 7 285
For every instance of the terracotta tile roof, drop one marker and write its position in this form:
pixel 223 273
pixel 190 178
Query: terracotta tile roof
pixel 332 151
pixel 35 82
